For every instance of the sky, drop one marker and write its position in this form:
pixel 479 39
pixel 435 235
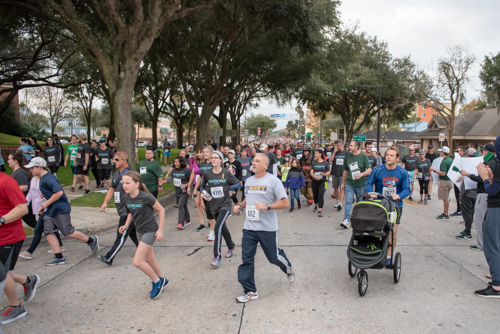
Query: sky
pixel 422 30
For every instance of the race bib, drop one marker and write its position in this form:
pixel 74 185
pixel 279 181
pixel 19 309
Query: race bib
pixel 72 158
pixel 52 159
pixel 117 197
pixel 217 192
pixel 388 191
pixel 420 175
pixel 177 182
pixel 143 170
pixel 79 155
pixel 244 172
pixel 318 174
pixel 32 154
pixel 354 169
pixel 339 162
pixel 299 156
pixel 252 213
pixel 104 161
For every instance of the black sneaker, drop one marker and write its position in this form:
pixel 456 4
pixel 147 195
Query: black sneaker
pixel 339 207
pixel 456 214
pixel 410 198
pixel 87 192
pixel 489 292
pixel 429 197
pixel 201 228
pixel 104 260
pixel 80 187
pixel 315 209
pixel 320 214
pixel 72 188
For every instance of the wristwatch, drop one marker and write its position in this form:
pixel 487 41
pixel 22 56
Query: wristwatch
pixel 2 220
pixel 269 206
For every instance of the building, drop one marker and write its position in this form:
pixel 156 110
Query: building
pixel 414 127
pixel 482 126
pixel 68 126
pixel 163 131
pixel 391 138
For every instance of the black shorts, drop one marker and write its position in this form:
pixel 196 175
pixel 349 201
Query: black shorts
pixel 80 171
pixel 104 174
pixel 9 254
pixel 207 209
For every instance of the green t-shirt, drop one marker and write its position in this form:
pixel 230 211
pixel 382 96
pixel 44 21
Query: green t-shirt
pixel 72 150
pixel 354 165
pixel 445 167
pixel 280 161
pixel 150 172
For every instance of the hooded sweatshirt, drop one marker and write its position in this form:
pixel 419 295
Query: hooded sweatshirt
pixel 493 189
pixel 295 179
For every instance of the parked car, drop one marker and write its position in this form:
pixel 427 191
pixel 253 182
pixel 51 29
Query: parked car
pixel 64 141
pixel 173 142
pixel 143 143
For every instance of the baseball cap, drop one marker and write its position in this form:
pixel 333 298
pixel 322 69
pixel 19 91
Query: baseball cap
pixel 430 146
pixel 263 147
pixel 299 141
pixel 55 135
pixel 470 151
pixel 489 147
pixel 444 149
pixel 102 140
pixel 231 151
pixel 36 162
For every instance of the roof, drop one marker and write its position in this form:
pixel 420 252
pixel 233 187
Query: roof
pixel 390 135
pixel 410 127
pixel 473 124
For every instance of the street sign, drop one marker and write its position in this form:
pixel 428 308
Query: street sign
pixel 275 115
pixel 333 136
pixel 258 131
pixel 246 132
pixel 442 136
pixel 359 137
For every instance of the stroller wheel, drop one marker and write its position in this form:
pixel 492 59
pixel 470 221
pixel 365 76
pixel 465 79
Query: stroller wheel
pixel 397 267
pixel 362 282
pixel 352 269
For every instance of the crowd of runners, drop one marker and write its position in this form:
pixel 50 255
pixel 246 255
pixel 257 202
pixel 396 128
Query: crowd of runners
pixel 269 174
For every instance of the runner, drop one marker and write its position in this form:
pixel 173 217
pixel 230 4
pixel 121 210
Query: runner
pixel 104 158
pixel 51 155
pixel 234 166
pixel 204 165
pixel 56 211
pixel 305 163
pixel 26 149
pixel 141 206
pixel 298 152
pixel 194 179
pixel 218 183
pixel 246 166
pixel 356 169
pixel 181 176
pixel 71 154
pixel 264 195
pixel 369 149
pixel 409 162
pixel 93 164
pixel 12 208
pixel 33 143
pixel 430 155
pixel 467 202
pixel 151 172
pixel 166 152
pixel 445 184
pixel 337 159
pixel 320 172
pixel 393 181
pixel 423 175
pixel 295 181
pixel 83 162
pixel 116 190
pixel 57 142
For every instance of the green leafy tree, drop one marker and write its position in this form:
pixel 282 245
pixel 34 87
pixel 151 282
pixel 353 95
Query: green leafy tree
pixel 265 123
pixel 490 78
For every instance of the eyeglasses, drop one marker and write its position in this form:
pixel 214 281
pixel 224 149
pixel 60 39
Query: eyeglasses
pixel 216 158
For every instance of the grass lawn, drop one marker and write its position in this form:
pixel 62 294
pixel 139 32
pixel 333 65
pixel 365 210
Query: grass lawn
pixel 6 139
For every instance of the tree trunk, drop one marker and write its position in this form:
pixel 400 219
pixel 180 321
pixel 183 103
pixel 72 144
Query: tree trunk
pixel 180 135
pixel 202 124
pixel 112 132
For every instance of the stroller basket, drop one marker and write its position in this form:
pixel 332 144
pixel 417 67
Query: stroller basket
pixel 371 216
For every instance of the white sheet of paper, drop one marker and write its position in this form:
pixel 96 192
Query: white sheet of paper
pixel 470 165
pixel 455 175
pixel 436 163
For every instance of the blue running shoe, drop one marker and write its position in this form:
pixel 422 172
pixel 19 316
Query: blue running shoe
pixel 157 289
pixel 55 261
pixel 95 245
pixel 388 263
pixel 165 281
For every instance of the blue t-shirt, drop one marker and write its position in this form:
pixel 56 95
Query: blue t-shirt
pixel 28 149
pixel 387 182
pixel 48 186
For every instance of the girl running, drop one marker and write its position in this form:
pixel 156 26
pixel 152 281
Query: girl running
pixel 141 206
pixel 423 176
pixel 181 176
pixel 204 165
pixel 295 181
pixel 219 184
pixel 51 153
pixel 194 180
pixel 320 171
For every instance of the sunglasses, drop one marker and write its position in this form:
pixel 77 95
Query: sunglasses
pixel 117 159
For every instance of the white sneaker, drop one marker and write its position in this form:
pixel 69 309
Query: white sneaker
pixel 211 236
pixel 50 251
pixel 291 276
pixel 345 223
pixel 247 297
pixel 336 205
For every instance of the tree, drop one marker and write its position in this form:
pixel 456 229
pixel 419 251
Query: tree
pixel 476 104
pixel 490 78
pixel 52 102
pixel 261 121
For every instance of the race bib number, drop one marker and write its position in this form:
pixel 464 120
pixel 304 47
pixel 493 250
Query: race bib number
pixel 299 156
pixel 117 197
pixel 79 155
pixel 217 192
pixel 104 161
pixel 32 154
pixel 318 174
pixel 177 182
pixel 72 158
pixel 339 162
pixel 420 175
pixel 143 170
pixel 354 169
pixel 52 159
pixel 252 213
pixel 388 191
pixel 244 172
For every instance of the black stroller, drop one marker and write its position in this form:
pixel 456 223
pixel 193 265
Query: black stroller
pixel 372 221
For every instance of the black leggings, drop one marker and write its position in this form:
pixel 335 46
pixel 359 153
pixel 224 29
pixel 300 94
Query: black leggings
pixel 243 191
pixel 53 169
pixel 234 198
pixel 424 186
pixel 318 188
pixel 221 231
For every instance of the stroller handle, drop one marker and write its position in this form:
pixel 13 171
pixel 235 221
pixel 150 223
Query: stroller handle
pixel 382 195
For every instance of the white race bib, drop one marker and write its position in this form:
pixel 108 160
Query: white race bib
pixel 52 159
pixel 104 161
pixel 252 213
pixel 420 175
pixel 177 182
pixel 79 155
pixel 339 162
pixel 244 172
pixel 32 154
pixel 72 157
pixel 318 174
pixel 143 170
pixel 217 192
pixel 299 156
pixel 117 197
pixel 388 191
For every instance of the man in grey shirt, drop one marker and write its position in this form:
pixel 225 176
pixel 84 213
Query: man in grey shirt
pixel 264 193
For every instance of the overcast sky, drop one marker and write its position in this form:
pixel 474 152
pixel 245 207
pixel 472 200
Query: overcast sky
pixel 423 29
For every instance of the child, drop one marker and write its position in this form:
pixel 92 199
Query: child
pixel 181 176
pixel 140 206
pixel 295 180
pixel 284 172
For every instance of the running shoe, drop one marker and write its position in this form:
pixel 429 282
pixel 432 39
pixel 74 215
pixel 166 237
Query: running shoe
pixel 215 262
pixel 291 276
pixel 95 245
pixel 180 226
pixel 102 185
pixel 187 223
pixel 87 192
pixel 230 215
pixel 421 201
pixel 443 216
pixel 475 248
pixel 245 297
pixel 388 263
pixel 157 289
pixel 463 236
pixel 336 205
pixel 425 201
pixel 80 187
pixel 489 292
pixel 320 214
pixel 104 260
pixel 72 188
pixel 456 214
pixel 211 236
pixel 299 205
pixel 291 209
pixel 345 223
pixel 410 198
pixel 55 261
pixel 165 281
pixel 176 205
pixel 429 197
pixel 26 256
pixel 201 228
pixel 315 209
pixel 13 313
pixel 333 195
pixel 50 251
pixel 30 288
pixel 230 252
pixel 339 207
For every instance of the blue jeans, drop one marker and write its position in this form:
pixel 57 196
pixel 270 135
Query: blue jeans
pixel 491 243
pixel 294 193
pixel 349 196
pixel 37 235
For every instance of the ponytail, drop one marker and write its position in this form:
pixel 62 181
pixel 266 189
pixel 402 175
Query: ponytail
pixel 136 177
